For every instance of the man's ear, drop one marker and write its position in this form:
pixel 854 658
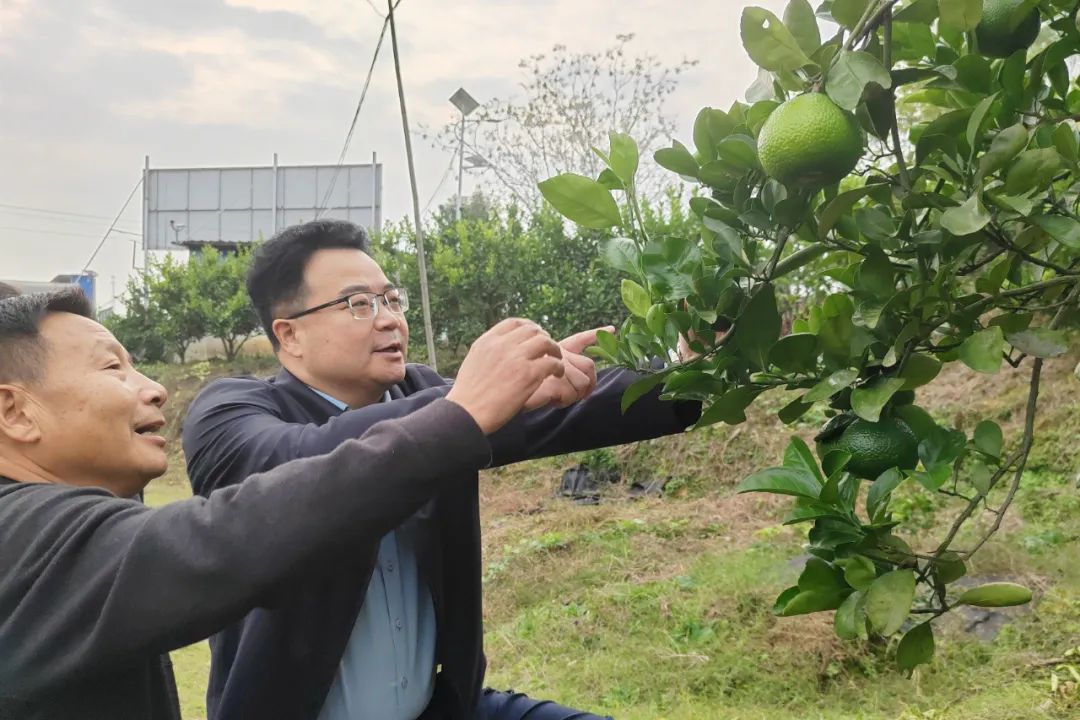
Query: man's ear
pixel 18 419
pixel 285 331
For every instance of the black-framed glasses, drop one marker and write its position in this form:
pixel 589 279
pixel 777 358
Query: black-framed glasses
pixel 364 305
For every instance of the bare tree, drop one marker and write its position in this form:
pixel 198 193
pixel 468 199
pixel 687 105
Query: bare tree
pixel 571 101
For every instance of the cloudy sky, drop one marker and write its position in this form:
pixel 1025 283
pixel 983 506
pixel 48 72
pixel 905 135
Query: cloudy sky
pixel 88 87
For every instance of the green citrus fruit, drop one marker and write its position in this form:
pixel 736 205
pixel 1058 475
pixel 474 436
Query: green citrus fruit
pixel 1001 32
pixel 809 141
pixel 874 447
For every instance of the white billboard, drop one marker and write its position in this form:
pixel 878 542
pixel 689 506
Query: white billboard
pixel 246 204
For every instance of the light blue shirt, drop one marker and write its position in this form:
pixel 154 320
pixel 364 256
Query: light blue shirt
pixel 388 669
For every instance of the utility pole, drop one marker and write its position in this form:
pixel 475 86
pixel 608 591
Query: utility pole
pixel 424 297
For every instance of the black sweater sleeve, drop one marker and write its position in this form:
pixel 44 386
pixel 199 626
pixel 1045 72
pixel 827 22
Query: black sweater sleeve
pixel 89 581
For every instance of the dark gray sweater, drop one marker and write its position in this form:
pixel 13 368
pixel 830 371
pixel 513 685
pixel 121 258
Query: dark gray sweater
pixel 94 589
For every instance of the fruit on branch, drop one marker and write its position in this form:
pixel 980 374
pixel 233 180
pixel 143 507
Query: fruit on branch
pixel 1005 29
pixel 874 447
pixel 809 141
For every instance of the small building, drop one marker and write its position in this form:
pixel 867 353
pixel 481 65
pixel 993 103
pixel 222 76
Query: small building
pixel 86 281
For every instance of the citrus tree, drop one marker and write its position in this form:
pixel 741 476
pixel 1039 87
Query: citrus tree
pixel 953 237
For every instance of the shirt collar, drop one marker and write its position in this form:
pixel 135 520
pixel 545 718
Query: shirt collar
pixel 337 403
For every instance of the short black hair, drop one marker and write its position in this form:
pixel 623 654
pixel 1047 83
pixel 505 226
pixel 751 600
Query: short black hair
pixel 22 349
pixel 275 281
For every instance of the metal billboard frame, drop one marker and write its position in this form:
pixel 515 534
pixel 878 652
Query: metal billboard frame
pixel 237 205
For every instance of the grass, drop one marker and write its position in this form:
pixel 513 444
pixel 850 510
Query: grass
pixel 661 608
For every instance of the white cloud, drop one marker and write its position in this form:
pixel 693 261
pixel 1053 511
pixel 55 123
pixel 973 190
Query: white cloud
pixel 235 79
pixel 337 18
pixel 11 15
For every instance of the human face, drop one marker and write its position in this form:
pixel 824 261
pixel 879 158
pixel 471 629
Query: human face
pixel 355 361
pixel 95 416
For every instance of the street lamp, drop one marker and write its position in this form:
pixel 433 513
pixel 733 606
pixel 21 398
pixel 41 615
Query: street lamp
pixel 464 102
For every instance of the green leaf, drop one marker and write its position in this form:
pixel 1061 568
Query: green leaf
pixel 1011 203
pixel 981 476
pixel 623 158
pixel 961 14
pixel 966 219
pixel 758 327
pixel 974 128
pixel 943 129
pixel 1066 143
pixel 848 12
pixel 919 370
pixel 582 200
pixel 997 594
pixel 850 75
pixel 1032 169
pixel 622 254
pixel 974 74
pixel 811 601
pixel 850 617
pixel 795 353
pixel 1063 229
pixel 798 455
pixel 677 159
pixel 868 400
pixel 635 297
pixel 1040 342
pixel 888 601
pixel 1011 77
pixel 800 20
pixel 983 350
pixel 739 151
pixel 835 461
pixel 609 179
pixel 793 411
pixel 859 572
pixel 840 206
pixel 875 274
pixel 875 223
pixel 988 438
pixel 784 598
pixel 1006 145
pixel 710 127
pixel 916 647
pixel 819 575
pixel 781 481
pixel 768 43
pixel 729 407
pixel 941 447
pixel 633 393
pixel 831 385
pixel 949 568
pixel 880 490
pixel 763 87
pixel 922 12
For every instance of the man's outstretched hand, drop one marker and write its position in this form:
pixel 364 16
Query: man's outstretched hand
pixel 579 379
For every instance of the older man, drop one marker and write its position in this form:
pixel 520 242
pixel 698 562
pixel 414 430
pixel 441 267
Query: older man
pixel 398 635
pixel 95 587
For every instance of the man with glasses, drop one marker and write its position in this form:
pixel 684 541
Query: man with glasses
pixel 397 636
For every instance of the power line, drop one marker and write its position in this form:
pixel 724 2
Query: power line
pixel 356 116
pixel 113 225
pixel 69 234
pixel 64 224
pixel 54 212
pixel 442 182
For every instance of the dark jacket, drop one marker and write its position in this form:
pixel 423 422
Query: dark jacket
pixel 280 661
pixel 95 589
